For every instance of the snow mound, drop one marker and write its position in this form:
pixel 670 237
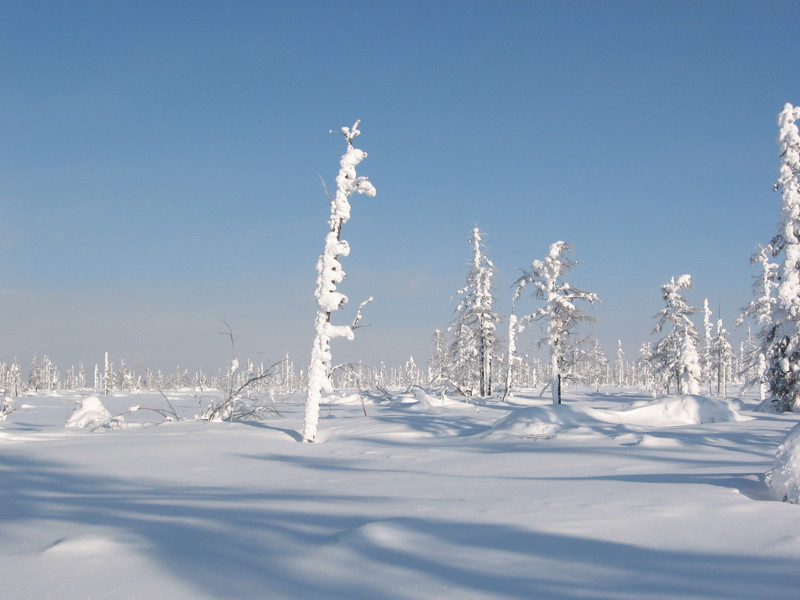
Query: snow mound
pixel 421 400
pixel 784 478
pixel 388 533
pixel 91 413
pixel 678 410
pixel 544 422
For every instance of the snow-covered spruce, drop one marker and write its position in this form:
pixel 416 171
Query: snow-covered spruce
pixel 722 357
pixel 560 313
pixel 329 274
pixel 619 366
pixel 675 357
pixel 597 365
pixel 472 347
pixel 782 338
pixel 706 368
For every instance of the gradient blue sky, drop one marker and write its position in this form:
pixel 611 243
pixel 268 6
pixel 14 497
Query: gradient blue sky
pixel 160 164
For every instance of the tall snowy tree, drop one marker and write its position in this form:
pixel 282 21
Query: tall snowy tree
pixel 760 311
pixel 597 365
pixel 438 360
pixel 619 365
pixel 329 274
pixel 472 348
pixel 676 352
pixel 722 353
pixel 515 326
pixel 706 343
pixel 645 368
pixel 561 315
pixel 782 338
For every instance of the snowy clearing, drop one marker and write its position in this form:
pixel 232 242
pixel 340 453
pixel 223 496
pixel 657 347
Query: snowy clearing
pixel 610 496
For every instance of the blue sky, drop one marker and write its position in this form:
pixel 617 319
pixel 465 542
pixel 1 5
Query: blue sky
pixel 161 164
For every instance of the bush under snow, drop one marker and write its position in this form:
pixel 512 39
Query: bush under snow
pixel 90 413
pixel 784 478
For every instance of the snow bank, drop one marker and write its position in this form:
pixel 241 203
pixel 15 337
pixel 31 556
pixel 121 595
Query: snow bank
pixel 90 413
pixel 543 422
pixel 784 478
pixel 678 410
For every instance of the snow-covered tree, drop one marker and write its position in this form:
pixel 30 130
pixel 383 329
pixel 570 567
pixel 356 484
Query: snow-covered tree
pixel 561 315
pixel 515 326
pixel 706 361
pixel 619 366
pixel 722 356
pixel 644 369
pixel 760 311
pixel 676 353
pixel 472 348
pixel 597 365
pixel 329 274
pixel 782 339
pixel 438 360
pixel 411 375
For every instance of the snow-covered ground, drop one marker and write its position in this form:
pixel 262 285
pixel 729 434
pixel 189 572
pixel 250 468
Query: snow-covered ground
pixel 609 496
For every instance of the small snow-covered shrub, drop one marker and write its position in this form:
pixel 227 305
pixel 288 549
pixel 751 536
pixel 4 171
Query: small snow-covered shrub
pixel 6 408
pixel 784 477
pixel 92 414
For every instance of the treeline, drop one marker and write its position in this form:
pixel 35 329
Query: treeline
pixel 591 368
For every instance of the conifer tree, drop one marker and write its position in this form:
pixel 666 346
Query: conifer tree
pixel 598 365
pixel 782 338
pixel 676 352
pixel 515 326
pixel 619 365
pixel 760 312
pixel 706 362
pixel 472 348
pixel 723 356
pixel 438 360
pixel 645 368
pixel 561 315
pixel 330 273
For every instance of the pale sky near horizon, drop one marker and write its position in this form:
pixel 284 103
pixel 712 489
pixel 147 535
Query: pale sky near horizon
pixel 161 165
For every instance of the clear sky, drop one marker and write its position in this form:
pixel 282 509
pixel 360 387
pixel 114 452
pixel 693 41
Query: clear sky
pixel 160 164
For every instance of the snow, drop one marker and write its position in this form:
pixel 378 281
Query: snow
pixel 621 497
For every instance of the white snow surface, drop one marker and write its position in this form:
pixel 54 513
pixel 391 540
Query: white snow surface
pixel 611 495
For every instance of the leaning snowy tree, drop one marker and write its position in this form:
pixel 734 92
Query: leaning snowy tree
pixel 472 348
pixel 330 273
pixel 676 353
pixel 782 337
pixel 560 314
